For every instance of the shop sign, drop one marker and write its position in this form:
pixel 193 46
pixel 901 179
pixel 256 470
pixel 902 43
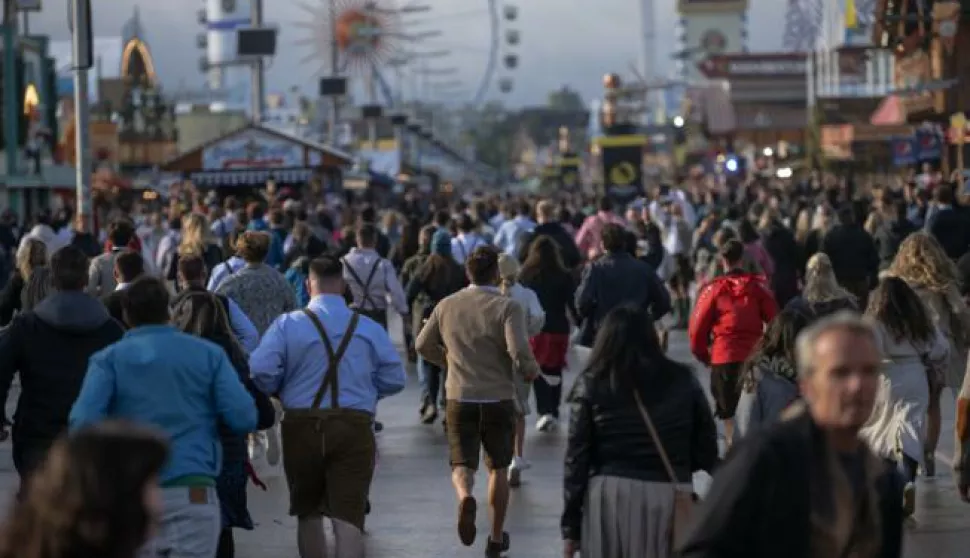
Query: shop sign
pixel 836 136
pixel 252 149
pixel 913 74
pixel 904 151
pixel 754 66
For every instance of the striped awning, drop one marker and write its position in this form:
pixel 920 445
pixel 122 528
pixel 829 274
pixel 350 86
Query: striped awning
pixel 249 177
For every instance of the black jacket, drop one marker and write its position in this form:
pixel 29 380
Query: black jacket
pixel 10 298
pixel 612 281
pixel 87 243
pixel 818 310
pixel 608 436
pixel 567 245
pixel 888 238
pixel 112 302
pixel 555 293
pixel 49 347
pixel 760 503
pixel 853 253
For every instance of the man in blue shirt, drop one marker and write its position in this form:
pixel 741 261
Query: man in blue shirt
pixel 184 386
pixel 329 366
pixel 508 235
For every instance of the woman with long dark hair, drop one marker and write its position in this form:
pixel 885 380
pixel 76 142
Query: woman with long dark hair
pixel 622 480
pixel 544 273
pixel 96 494
pixel 770 371
pixel 915 355
pixel 204 315
pixel 439 277
pixel 925 267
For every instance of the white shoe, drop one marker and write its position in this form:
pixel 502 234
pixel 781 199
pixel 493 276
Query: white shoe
pixel 547 423
pixel 520 463
pixel 515 473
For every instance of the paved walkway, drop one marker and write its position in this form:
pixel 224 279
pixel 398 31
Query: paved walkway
pixel 414 507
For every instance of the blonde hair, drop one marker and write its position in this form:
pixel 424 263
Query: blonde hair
pixel 36 288
pixel 195 233
pixel 873 222
pixel 31 256
pixel 921 262
pixel 508 271
pixel 820 282
pixel 803 225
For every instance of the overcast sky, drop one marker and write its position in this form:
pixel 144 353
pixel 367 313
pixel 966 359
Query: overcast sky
pixel 563 41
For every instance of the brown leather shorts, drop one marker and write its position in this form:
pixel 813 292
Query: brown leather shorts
pixel 473 427
pixel 328 460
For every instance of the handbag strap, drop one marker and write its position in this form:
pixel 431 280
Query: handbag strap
pixel 656 438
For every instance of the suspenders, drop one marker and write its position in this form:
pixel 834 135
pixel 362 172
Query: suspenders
pixel 365 285
pixel 333 357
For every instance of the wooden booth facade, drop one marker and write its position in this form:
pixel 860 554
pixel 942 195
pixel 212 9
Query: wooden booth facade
pixel 254 155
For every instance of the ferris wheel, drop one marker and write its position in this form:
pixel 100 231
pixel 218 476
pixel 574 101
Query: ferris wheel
pixel 377 38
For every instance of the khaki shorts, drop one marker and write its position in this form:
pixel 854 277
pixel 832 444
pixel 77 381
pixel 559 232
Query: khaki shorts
pixel 328 460
pixel 473 427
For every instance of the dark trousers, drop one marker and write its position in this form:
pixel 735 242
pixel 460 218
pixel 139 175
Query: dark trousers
pixel 227 545
pixel 28 457
pixel 548 396
pixel 434 384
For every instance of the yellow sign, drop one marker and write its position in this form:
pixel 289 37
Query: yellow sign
pixel 623 174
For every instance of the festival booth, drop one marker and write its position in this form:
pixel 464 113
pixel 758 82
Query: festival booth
pixel 251 156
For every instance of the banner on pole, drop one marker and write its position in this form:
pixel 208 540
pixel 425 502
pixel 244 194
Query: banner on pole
pixel 622 158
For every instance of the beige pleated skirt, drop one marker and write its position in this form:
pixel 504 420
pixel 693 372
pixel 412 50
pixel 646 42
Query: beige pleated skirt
pixel 627 518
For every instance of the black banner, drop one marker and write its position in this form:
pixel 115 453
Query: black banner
pixel 623 167
pixel 569 172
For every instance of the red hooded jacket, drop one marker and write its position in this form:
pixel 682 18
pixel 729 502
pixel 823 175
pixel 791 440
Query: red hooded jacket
pixel 729 318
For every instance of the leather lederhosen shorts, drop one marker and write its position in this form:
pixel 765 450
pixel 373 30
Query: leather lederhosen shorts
pixel 328 460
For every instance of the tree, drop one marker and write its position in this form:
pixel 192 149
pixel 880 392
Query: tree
pixel 566 100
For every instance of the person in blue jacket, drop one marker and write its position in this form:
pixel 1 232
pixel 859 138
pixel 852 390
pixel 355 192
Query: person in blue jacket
pixel 184 386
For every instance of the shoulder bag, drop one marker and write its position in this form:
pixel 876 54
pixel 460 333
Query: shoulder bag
pixel 683 501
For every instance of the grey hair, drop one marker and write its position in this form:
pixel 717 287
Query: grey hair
pixel 848 321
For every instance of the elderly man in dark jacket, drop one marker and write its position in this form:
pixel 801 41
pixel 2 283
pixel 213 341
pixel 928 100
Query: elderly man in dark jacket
pixel 73 324
pixel 808 486
pixel 615 279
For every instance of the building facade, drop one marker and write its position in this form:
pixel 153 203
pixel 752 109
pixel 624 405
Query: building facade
pixel 709 28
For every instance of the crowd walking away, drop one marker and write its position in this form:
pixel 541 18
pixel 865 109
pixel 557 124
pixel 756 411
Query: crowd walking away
pixel 797 340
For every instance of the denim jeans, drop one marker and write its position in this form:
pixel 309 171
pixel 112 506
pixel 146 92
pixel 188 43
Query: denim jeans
pixel 190 527
pixel 432 380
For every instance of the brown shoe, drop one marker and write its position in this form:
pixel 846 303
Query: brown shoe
pixel 467 510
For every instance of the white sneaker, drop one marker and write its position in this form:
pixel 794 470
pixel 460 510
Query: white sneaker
pixel 547 423
pixel 515 473
pixel 521 464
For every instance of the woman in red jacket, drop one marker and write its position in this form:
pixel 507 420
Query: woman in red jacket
pixel 728 319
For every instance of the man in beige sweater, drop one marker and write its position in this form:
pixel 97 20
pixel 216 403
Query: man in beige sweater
pixel 481 336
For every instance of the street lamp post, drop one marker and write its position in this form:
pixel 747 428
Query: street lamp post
pixel 10 86
pixel 81 43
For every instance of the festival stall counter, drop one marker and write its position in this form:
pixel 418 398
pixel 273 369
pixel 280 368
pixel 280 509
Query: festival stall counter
pixel 254 155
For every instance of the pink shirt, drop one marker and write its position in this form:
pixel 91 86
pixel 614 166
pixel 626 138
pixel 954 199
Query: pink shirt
pixel 589 235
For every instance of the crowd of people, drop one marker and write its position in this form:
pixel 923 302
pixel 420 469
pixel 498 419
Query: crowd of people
pixel 185 337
